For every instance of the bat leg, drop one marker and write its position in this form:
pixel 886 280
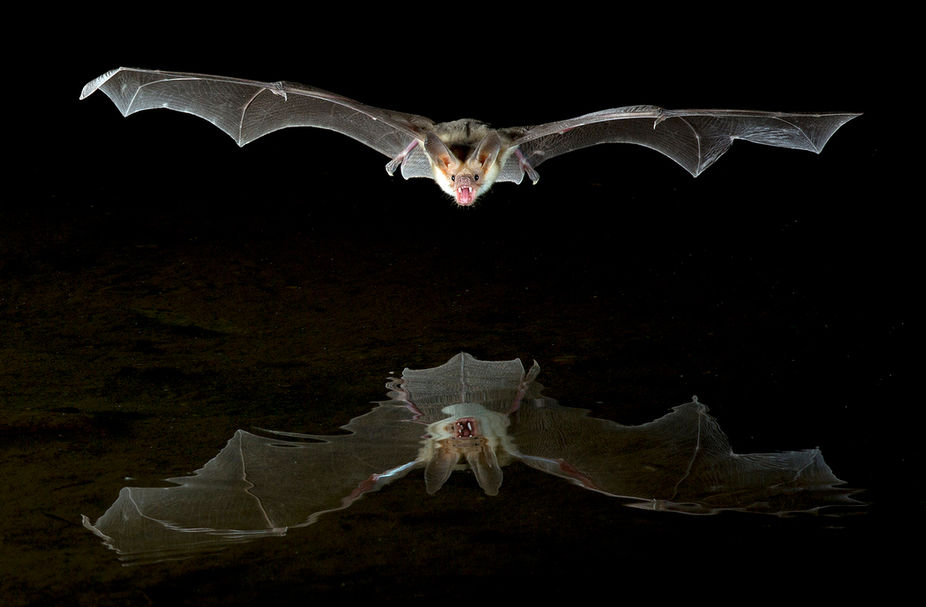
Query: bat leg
pixel 526 167
pixel 400 159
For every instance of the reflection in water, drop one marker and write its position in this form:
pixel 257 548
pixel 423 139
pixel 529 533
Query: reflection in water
pixel 464 414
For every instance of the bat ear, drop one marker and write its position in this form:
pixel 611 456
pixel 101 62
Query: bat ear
pixel 485 466
pixel 438 151
pixel 439 468
pixel 488 149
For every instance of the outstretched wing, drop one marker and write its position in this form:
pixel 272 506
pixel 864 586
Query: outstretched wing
pixel 246 109
pixel 692 138
pixel 681 462
pixel 261 486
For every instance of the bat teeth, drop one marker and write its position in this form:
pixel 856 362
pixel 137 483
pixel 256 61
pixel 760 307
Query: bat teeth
pixel 466 428
pixel 465 196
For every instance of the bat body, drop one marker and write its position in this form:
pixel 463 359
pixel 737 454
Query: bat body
pixel 466 414
pixel 465 157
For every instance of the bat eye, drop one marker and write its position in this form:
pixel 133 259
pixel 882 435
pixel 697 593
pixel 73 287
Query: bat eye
pixel 453 178
pixel 476 177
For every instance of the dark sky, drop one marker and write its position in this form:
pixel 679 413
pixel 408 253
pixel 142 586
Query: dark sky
pixel 778 286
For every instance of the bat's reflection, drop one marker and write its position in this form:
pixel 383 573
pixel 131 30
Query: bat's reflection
pixel 464 414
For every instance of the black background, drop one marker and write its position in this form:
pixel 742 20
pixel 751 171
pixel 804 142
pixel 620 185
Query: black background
pixel 778 287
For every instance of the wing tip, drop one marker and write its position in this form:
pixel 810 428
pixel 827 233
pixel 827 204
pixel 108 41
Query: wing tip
pixel 97 82
pixel 846 117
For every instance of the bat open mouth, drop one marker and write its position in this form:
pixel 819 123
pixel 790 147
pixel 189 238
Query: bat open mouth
pixel 465 196
pixel 467 427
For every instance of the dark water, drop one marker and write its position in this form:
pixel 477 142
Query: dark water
pixel 146 318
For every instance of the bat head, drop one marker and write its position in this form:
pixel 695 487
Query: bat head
pixel 474 435
pixel 464 168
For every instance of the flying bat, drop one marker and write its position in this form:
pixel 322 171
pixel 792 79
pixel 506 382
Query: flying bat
pixel 465 157
pixel 465 415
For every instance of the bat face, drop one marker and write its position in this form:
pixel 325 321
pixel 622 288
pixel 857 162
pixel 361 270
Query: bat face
pixel 466 157
pixel 476 436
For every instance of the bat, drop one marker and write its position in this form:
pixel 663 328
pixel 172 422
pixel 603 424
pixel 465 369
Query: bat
pixel 466 414
pixel 465 157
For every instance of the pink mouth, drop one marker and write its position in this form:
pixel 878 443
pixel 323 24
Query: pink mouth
pixel 465 196
pixel 467 427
